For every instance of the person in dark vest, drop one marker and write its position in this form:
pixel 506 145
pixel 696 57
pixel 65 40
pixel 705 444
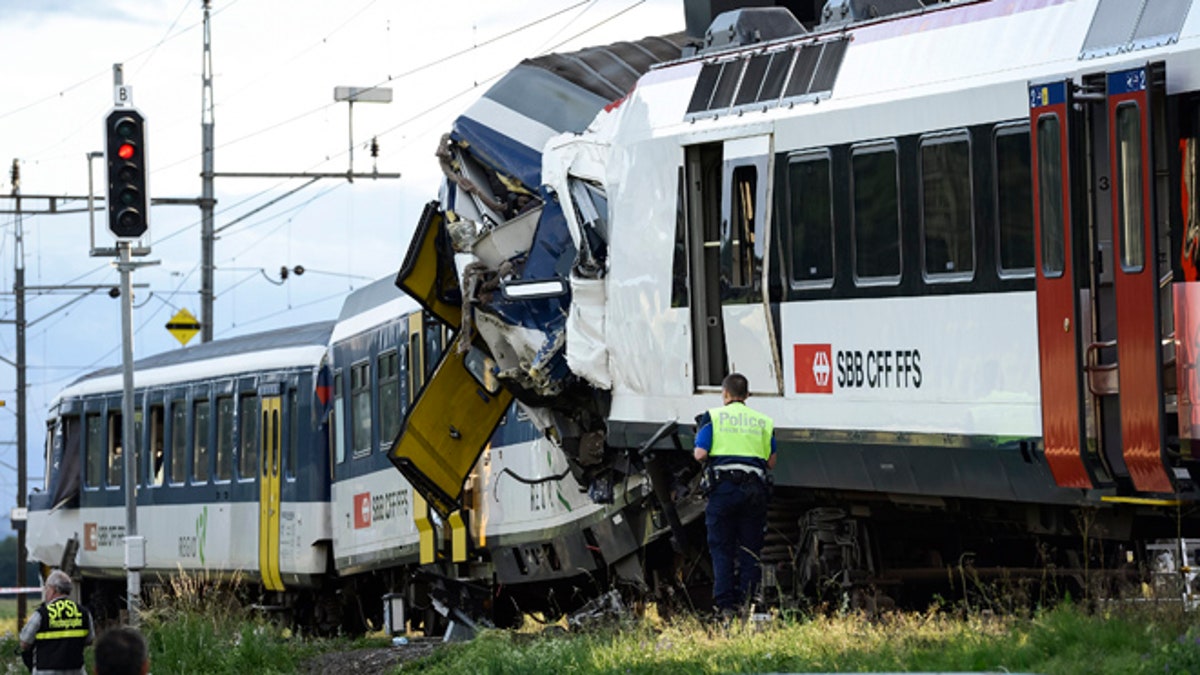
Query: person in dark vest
pixel 57 632
pixel 122 651
pixel 737 446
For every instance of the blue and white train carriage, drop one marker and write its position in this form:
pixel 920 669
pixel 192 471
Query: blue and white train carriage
pixel 232 481
pixel 268 465
pixel 952 246
pixel 524 536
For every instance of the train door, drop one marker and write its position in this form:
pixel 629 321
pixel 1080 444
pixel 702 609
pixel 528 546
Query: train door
pixel 1098 280
pixel 1133 97
pixel 455 410
pixel 268 491
pixel 729 197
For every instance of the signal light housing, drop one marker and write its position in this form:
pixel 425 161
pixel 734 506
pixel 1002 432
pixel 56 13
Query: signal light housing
pixel 125 155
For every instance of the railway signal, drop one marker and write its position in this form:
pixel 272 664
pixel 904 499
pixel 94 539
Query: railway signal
pixel 125 155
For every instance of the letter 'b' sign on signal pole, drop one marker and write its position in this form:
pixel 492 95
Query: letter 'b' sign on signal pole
pixel 125 154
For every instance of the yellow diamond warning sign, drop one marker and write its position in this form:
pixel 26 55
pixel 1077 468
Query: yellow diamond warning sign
pixel 183 326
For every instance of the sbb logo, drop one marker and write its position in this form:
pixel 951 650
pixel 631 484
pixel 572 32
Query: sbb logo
pixel 813 369
pixel 362 510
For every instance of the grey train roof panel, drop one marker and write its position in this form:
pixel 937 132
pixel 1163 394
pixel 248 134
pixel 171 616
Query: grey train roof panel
pixel 611 71
pixel 313 334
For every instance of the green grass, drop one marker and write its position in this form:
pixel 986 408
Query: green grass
pixel 1063 641
pixel 1127 639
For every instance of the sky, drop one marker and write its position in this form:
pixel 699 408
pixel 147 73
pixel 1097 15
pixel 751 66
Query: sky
pixel 275 67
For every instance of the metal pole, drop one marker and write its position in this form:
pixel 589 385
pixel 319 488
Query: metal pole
pixel 133 547
pixel 135 550
pixel 350 173
pixel 19 292
pixel 206 188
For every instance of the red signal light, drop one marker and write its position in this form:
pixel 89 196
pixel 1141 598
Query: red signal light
pixel 125 151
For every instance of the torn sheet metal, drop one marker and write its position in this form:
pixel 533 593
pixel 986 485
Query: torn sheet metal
pixel 523 247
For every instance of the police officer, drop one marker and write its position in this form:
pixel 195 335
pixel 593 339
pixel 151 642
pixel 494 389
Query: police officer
pixel 738 444
pixel 58 631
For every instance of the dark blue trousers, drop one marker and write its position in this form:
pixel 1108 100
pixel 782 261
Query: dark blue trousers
pixel 736 518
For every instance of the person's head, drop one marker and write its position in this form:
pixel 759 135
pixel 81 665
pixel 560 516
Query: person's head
pixel 122 651
pixel 58 585
pixel 735 387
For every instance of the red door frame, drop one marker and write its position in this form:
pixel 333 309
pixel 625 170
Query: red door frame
pixel 1139 356
pixel 1057 307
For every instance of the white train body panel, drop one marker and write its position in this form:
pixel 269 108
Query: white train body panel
pixel 217 539
pixel 507 510
pixel 373 519
pixel 945 69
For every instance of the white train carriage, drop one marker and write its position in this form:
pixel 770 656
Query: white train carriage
pixel 232 481
pixel 952 247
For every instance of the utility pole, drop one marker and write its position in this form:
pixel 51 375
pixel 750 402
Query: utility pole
pixel 19 292
pixel 206 189
pixel 208 230
pixel 22 325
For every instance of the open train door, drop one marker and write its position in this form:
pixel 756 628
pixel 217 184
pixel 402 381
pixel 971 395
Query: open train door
pixel 449 425
pixel 728 205
pixel 1058 289
pixel 1099 308
pixel 745 307
pixel 1131 96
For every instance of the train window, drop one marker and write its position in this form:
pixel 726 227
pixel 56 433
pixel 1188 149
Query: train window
pixel 225 418
pixel 389 397
pixel 876 206
pixel 948 233
pixel 679 263
pixel 1014 199
pixel 1129 186
pixel 73 453
pixel 139 447
pixel 415 368
pixel 591 210
pixel 483 369
pixel 115 459
pixel 810 215
pixel 200 417
pixel 335 424
pixel 248 436
pixel 179 441
pixel 156 442
pixel 360 408
pixel 402 378
pixel 95 449
pixel 433 346
pixel 290 457
pixel 48 456
pixel 1050 194
pixel 737 239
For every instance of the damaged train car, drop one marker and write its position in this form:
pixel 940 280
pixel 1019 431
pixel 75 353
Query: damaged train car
pixel 492 259
pixel 948 243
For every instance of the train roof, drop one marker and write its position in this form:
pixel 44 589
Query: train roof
pixel 508 126
pixel 941 67
pixel 372 305
pixel 290 347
